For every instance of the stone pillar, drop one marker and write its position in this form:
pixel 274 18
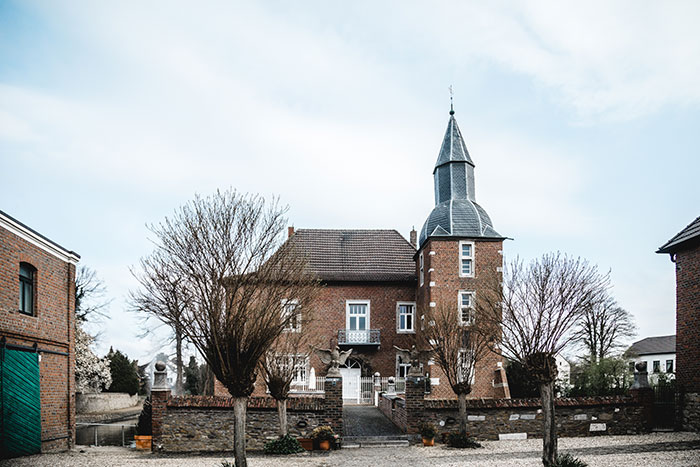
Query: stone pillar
pixel 643 394
pixel 159 397
pixel 500 383
pixel 415 402
pixel 333 404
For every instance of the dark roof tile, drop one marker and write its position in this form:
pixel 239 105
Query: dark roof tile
pixel 691 232
pixel 654 345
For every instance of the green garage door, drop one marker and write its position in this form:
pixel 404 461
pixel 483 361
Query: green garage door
pixel 20 415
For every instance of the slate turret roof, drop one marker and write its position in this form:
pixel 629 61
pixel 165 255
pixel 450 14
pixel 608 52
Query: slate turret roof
pixel 686 238
pixel 456 212
pixel 357 255
pixel 654 345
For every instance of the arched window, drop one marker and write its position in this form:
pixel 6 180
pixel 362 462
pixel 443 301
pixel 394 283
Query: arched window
pixel 27 277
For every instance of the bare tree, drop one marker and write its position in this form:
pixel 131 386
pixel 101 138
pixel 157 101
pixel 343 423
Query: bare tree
pixel 538 308
pixel 602 329
pixel 457 343
pixel 234 272
pixel 90 294
pixel 287 358
pixel 162 296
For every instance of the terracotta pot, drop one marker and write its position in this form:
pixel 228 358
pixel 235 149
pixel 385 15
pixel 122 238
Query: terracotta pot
pixel 325 445
pixel 143 442
pixel 428 441
pixel 306 443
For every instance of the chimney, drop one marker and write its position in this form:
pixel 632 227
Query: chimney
pixel 413 238
pixel 290 231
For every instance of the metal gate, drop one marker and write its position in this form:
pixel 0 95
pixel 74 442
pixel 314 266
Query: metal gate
pixel 20 413
pixel 664 411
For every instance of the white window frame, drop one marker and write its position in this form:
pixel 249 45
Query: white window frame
pixel 357 302
pixel 463 257
pixel 459 364
pixel 286 305
pixel 399 365
pixel 461 307
pixel 421 269
pixel 399 330
pixel 302 363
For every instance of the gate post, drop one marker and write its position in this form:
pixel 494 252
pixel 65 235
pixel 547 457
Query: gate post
pixel 333 403
pixel 159 397
pixel 415 402
pixel 643 394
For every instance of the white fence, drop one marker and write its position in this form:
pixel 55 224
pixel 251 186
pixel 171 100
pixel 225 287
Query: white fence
pixel 399 385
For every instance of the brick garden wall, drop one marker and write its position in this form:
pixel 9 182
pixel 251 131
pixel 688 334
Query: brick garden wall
pixel 51 328
pixel 490 417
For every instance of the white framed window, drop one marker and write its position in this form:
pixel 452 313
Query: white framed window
pixel 402 367
pixel 405 317
pixel 421 269
pixel 300 364
pixel 466 307
pixel 291 315
pixel 466 259
pixel 466 366
pixel 357 315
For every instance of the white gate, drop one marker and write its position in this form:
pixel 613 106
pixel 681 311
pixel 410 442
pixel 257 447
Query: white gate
pixel 351 384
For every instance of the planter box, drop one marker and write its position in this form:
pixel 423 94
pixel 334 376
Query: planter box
pixel 306 443
pixel 143 442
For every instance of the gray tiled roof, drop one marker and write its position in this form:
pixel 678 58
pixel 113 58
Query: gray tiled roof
pixel 357 255
pixel 654 345
pixel 453 147
pixel 458 218
pixel 682 239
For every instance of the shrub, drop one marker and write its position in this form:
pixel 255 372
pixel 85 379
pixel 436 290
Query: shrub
pixel 285 445
pixel 323 433
pixel 144 427
pixel 427 430
pixel 462 440
pixel 567 460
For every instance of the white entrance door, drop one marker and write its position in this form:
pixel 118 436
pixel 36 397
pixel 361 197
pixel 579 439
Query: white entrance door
pixel 351 383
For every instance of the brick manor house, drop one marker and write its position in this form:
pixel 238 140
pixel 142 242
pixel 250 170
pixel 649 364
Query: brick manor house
pixel 376 283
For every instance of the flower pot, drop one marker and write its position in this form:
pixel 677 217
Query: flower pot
pixel 325 445
pixel 428 441
pixel 306 443
pixel 143 442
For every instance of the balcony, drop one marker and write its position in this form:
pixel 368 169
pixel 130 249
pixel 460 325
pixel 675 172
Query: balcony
pixel 358 337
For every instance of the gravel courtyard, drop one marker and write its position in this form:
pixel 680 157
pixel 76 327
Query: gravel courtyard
pixel 657 449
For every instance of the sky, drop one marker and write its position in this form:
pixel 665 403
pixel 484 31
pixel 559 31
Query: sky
pixel 583 120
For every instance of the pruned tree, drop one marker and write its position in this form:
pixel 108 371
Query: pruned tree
pixel 234 272
pixel 286 360
pixel 538 308
pixel 457 342
pixel 603 328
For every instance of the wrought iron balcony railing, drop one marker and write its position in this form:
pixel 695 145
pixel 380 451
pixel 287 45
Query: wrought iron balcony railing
pixel 358 337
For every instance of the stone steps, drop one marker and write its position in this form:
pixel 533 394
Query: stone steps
pixel 354 442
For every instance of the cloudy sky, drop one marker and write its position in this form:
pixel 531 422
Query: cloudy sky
pixel 583 119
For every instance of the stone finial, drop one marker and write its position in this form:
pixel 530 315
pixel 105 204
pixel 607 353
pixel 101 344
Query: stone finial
pixel 160 377
pixel 641 380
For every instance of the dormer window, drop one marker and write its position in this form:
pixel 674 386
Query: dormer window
pixel 466 259
pixel 27 276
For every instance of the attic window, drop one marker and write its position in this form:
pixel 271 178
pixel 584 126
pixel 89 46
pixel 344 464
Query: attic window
pixel 466 259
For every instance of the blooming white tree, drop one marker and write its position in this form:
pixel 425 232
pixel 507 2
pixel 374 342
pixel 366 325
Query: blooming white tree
pixel 91 372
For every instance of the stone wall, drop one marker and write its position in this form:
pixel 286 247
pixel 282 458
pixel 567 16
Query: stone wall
pixel 104 402
pixel 691 412
pixel 520 418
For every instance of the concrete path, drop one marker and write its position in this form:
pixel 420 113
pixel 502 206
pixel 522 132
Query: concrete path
pixel 367 421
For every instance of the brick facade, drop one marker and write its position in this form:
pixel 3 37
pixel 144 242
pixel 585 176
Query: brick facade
pixel 688 319
pixel 51 328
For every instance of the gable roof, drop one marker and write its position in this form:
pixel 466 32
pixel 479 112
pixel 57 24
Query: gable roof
pixel 32 236
pixel 683 239
pixel 357 255
pixel 654 345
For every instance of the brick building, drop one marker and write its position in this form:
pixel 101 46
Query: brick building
pixel 684 249
pixel 37 325
pixel 378 285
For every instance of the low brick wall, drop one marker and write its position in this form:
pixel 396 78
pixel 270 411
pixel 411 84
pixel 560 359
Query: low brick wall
pixel 489 418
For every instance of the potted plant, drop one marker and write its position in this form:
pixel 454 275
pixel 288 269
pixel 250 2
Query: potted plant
pixel 323 435
pixel 144 431
pixel 427 432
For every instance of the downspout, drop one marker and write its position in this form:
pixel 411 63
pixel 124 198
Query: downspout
pixel 68 357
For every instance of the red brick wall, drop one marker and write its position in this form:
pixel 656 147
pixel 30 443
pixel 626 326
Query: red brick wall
pixel 442 285
pixel 52 328
pixel 688 319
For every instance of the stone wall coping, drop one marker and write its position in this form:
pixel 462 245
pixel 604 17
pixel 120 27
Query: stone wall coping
pixel 307 403
pixel 530 403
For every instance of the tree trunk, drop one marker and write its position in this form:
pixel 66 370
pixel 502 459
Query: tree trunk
pixel 178 362
pixel 462 412
pixel 239 410
pixel 549 437
pixel 282 412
